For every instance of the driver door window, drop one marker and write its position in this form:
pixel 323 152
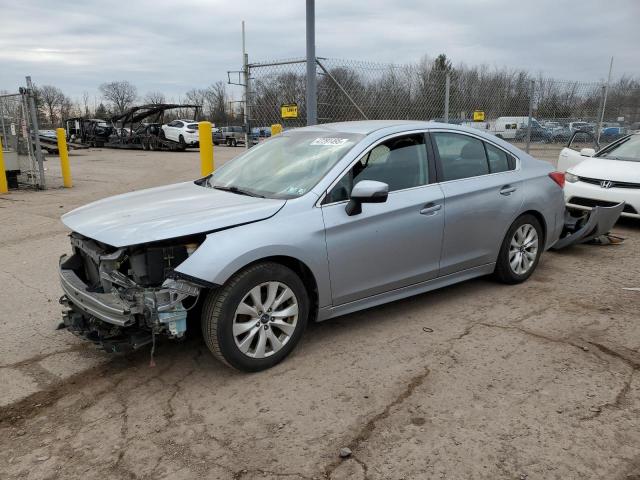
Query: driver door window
pixel 400 162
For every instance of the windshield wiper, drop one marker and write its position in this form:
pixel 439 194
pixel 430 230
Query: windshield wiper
pixel 237 190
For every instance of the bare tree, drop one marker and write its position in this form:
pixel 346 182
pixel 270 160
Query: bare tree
pixel 154 98
pixel 85 103
pixel 51 99
pixel 121 94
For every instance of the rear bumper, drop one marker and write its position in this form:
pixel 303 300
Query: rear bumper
pixel 108 307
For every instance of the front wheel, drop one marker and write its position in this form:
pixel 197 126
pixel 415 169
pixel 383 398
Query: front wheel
pixel 520 250
pixel 256 319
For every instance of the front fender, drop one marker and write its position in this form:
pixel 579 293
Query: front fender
pixel 293 232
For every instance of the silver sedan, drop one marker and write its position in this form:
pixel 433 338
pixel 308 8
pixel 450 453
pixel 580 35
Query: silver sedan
pixel 312 224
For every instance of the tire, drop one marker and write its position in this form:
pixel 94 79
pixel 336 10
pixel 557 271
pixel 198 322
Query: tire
pixel 152 144
pixel 145 144
pixel 234 142
pixel 514 242
pixel 220 312
pixel 181 140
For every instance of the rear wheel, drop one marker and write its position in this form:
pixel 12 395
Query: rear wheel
pixel 520 250
pixel 234 142
pixel 181 140
pixel 256 319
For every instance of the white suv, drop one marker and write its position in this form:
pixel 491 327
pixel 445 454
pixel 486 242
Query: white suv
pixel 182 131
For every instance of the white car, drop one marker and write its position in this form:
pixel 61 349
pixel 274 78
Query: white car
pixel 182 131
pixel 605 178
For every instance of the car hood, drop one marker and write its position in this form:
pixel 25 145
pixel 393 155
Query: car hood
pixel 166 212
pixel 604 169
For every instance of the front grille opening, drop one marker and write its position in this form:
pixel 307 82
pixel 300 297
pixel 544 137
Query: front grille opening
pixel 592 202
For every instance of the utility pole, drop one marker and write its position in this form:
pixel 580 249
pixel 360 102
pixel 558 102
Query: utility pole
pixel 312 86
pixel 245 69
pixel 604 102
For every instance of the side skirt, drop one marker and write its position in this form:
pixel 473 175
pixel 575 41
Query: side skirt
pixel 330 312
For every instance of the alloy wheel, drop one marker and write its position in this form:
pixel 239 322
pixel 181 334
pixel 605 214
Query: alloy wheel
pixel 265 319
pixel 523 249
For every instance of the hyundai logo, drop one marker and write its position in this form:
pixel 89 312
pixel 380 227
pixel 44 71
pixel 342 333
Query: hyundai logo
pixel 606 184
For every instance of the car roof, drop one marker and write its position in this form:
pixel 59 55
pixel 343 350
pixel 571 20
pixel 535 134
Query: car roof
pixel 366 127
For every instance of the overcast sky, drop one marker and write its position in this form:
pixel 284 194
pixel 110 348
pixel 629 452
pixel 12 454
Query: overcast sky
pixel 174 46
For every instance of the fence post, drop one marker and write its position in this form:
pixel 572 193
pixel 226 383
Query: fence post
pixel 35 131
pixel 64 157
pixel 447 86
pixel 4 187
pixel 205 139
pixel 531 93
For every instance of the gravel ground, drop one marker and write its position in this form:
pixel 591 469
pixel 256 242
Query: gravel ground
pixel 477 380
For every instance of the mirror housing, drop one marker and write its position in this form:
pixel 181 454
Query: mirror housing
pixel 587 152
pixel 366 191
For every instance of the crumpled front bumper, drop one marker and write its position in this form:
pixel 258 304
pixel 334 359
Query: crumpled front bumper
pixel 108 307
pixel 600 221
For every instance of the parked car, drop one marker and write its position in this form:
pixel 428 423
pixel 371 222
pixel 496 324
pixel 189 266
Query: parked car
pixel 217 136
pixel 182 131
pixel 315 223
pixel 538 133
pixel 605 178
pixel 584 126
pixel 233 135
pixel 565 134
pixel 610 134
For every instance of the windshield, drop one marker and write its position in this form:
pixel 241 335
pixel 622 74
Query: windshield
pixel 627 149
pixel 286 166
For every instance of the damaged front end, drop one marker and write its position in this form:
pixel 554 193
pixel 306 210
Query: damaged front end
pixel 588 226
pixel 120 298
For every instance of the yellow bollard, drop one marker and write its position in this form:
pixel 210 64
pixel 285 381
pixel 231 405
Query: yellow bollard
pixel 207 164
pixel 64 158
pixel 276 129
pixel 4 186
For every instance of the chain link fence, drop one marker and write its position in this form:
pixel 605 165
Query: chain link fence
pixel 537 114
pixel 23 162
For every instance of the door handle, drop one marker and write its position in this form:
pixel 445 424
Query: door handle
pixel 507 190
pixel 430 209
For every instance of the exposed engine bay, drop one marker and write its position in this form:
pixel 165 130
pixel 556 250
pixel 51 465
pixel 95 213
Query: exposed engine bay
pixel 120 298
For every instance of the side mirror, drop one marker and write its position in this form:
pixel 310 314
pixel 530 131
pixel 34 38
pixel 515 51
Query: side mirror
pixel 366 191
pixel 587 152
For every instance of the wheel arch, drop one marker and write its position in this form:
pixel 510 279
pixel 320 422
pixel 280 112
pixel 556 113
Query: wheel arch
pixel 301 269
pixel 540 217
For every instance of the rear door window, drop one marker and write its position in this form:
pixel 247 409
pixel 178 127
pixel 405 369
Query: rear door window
pixel 461 156
pixel 498 159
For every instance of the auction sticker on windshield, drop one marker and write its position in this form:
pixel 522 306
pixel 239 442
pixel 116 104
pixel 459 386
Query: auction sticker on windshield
pixel 330 141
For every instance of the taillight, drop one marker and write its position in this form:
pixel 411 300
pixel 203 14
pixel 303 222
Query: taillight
pixel 558 177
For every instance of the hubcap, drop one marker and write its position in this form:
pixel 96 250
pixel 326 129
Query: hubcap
pixel 265 319
pixel 523 249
